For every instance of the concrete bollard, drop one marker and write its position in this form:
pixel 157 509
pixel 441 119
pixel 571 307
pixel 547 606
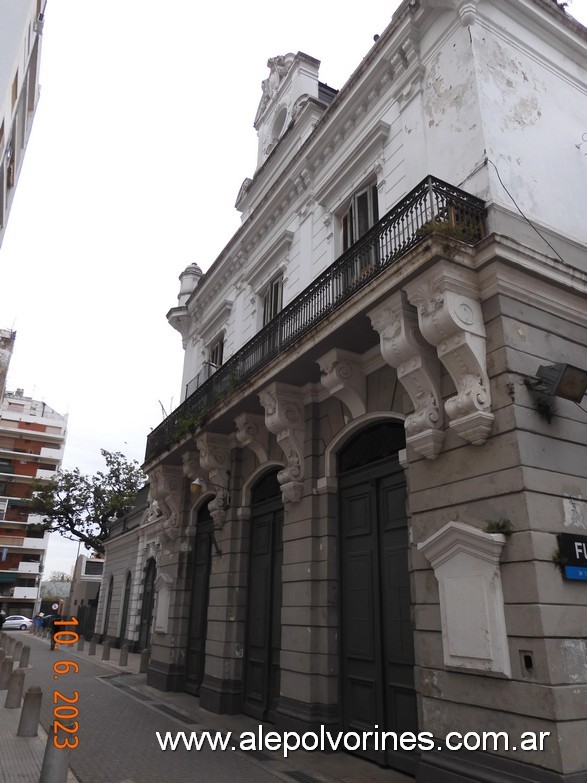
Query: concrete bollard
pixel 123 655
pixel 25 657
pixel 55 761
pixel 144 664
pixel 106 651
pixel 16 652
pixel 9 646
pixel 5 672
pixel 28 725
pixel 2 654
pixel 45 633
pixel 15 689
pixel 92 647
pixel 80 644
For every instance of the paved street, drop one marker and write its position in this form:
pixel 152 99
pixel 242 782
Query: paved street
pixel 119 715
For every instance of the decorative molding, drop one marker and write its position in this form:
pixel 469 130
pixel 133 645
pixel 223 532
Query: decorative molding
pixel 403 347
pixel 216 320
pixel 343 377
pixel 466 9
pixel 450 318
pixel 466 564
pixel 260 270
pixel 251 432
pixel 279 67
pixel 365 155
pixel 163 586
pixel 327 485
pixel 215 460
pixel 284 416
pixel 166 490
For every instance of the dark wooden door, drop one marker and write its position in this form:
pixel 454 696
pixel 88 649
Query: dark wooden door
pixel 201 563
pixel 377 652
pixel 148 604
pixel 263 629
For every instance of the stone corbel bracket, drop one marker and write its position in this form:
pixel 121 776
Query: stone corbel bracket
pixel 166 488
pixel 450 318
pixel 251 432
pixel 191 467
pixel 466 564
pixel 284 417
pixel 404 348
pixel 343 376
pixel 215 451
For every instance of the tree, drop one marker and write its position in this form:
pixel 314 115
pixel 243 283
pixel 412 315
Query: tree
pixel 83 508
pixel 59 576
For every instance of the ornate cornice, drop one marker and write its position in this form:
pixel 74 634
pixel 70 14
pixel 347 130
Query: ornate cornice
pixel 284 416
pixel 403 347
pixel 466 9
pixel 450 318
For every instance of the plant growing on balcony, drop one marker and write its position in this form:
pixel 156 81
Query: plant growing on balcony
pixel 83 508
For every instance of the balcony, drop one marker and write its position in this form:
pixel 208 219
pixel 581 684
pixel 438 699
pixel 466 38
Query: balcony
pixel 433 206
pixel 32 593
pixel 29 568
pixel 22 542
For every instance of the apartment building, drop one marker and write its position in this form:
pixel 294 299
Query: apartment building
pixel 32 441
pixel 21 27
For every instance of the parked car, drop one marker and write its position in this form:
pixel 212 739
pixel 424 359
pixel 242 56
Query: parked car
pixel 17 621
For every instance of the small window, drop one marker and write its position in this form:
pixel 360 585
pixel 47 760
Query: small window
pixel 272 300
pixel 362 214
pixel 217 353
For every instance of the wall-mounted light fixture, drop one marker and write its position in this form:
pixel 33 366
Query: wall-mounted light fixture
pixel 196 487
pixel 561 380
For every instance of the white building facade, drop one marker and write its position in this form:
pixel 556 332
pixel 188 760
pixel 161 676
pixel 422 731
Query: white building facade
pixel 21 27
pixel 358 503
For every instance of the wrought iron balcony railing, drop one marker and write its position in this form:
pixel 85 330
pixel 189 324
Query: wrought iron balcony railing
pixel 432 206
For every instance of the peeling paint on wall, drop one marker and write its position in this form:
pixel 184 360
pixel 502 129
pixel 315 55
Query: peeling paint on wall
pixel 575 512
pixel 517 89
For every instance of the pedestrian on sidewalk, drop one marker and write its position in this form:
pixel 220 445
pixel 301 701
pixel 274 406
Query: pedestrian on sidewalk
pixel 53 629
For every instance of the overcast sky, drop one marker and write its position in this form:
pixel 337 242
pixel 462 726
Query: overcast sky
pixel 142 138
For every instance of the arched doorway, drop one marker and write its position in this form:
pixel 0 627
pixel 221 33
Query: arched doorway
pixel 200 566
pixel 376 648
pixel 263 627
pixel 125 608
pixel 108 607
pixel 148 603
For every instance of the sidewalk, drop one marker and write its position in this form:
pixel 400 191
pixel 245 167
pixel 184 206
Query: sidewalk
pixel 21 758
